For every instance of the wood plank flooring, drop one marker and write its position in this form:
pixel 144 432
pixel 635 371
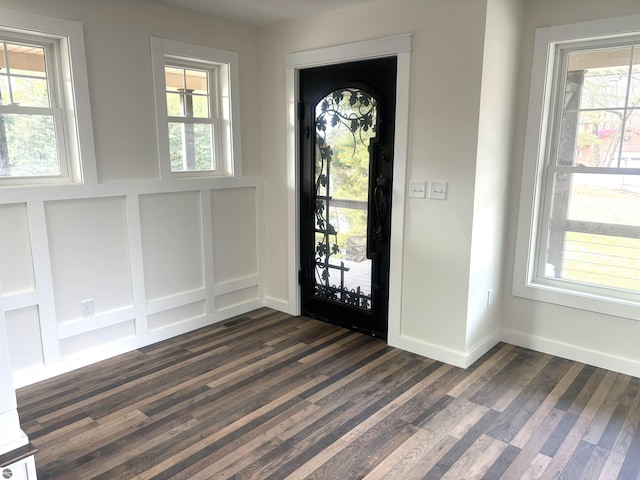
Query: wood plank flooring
pixel 269 396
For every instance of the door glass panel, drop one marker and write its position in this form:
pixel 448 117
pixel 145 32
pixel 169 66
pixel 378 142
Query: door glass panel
pixel 344 126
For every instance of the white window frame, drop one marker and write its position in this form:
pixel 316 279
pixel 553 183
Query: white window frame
pixel 526 282
pixel 227 127
pixel 213 119
pixel 74 129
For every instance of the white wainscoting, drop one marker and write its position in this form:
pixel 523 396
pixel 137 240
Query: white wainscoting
pixel 157 258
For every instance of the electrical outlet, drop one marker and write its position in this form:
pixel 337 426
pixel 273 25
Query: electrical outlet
pixel 86 308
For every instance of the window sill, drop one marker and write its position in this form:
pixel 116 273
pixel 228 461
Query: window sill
pixel 576 299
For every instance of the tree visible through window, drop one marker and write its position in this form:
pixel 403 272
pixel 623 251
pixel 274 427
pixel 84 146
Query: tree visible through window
pixel 29 115
pixel 197 110
pixel 192 118
pixel 591 227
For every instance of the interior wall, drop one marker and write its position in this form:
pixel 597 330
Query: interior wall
pixel 445 276
pixel 594 338
pixel 154 257
pixel 118 58
pixel 444 121
pixel 490 206
pixel 153 265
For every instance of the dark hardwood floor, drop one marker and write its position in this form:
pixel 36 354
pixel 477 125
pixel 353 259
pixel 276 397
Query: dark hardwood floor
pixel 269 396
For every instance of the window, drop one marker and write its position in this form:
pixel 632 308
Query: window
pixel 193 119
pixel 45 122
pixel 197 110
pixel 581 180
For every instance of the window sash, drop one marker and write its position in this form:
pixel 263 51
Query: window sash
pixel 552 169
pixel 213 82
pixel 224 97
pixel 213 103
pixel 52 77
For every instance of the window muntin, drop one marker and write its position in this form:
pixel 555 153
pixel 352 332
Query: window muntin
pixel 208 77
pixel 67 104
pixel 192 118
pixel 588 236
pixel 31 120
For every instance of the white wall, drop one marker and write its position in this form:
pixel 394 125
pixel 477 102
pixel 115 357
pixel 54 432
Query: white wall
pixel 601 340
pixel 119 70
pixel 156 259
pixel 155 256
pixel 495 133
pixel 447 62
pixel 124 255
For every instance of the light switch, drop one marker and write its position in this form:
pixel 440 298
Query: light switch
pixel 438 190
pixel 417 189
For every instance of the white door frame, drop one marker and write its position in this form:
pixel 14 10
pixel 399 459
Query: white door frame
pixel 400 47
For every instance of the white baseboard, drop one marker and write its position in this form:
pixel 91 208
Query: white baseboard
pixel 431 350
pixel 280 305
pixel 29 376
pixel 623 365
pixel 39 373
pixel 482 347
pixel 450 356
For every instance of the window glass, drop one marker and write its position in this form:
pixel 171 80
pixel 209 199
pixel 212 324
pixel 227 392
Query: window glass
pixel 28 143
pixel 191 141
pixel 197 110
pixel 593 221
pixel 600 124
pixel 191 147
pixel 46 133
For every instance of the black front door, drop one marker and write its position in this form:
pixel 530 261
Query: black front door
pixel 347 116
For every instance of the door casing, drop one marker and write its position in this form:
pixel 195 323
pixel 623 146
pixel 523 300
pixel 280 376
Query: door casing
pixel 400 47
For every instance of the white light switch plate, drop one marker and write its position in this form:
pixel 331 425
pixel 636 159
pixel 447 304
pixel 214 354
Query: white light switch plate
pixel 438 190
pixel 417 189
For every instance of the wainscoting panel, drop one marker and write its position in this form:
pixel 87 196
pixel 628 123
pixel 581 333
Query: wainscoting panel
pixel 16 274
pixel 89 255
pixel 156 259
pixel 171 243
pixel 24 323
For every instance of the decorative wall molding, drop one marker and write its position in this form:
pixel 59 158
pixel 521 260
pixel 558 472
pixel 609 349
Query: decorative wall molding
pixel 18 300
pixel 229 286
pixel 96 322
pixel 181 299
pixel 49 193
pixel 239 296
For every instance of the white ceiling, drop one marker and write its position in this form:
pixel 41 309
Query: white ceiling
pixel 261 12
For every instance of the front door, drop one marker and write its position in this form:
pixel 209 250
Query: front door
pixel 347 116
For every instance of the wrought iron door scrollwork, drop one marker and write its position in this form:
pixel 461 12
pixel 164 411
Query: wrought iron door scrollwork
pixel 352 111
